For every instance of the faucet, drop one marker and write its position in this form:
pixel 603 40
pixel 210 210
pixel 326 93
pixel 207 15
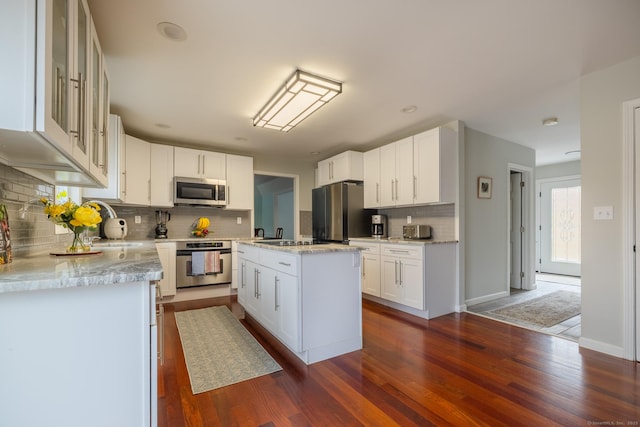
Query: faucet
pixel 110 211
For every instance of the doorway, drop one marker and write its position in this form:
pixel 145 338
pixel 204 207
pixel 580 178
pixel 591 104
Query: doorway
pixel 521 274
pixel 275 205
pixel 560 227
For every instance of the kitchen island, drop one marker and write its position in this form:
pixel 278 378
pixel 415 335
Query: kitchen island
pixel 78 338
pixel 308 296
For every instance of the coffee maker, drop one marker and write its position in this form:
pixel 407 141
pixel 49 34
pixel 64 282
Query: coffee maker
pixel 378 226
pixel 162 217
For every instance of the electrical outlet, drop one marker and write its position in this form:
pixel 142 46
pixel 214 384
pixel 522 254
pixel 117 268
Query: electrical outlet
pixel 408 219
pixel 138 219
pixel 239 220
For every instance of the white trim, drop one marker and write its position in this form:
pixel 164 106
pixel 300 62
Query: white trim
pixel 557 178
pixel 628 235
pixel 602 347
pixel 296 198
pixel 486 298
pixel 528 198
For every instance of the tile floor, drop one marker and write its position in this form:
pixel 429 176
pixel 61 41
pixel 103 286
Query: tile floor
pixel 546 283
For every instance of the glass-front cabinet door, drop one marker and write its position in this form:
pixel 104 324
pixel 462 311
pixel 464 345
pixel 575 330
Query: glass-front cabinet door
pixel 98 96
pixel 80 80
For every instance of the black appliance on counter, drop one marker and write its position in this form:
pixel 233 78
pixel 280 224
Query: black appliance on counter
pixel 337 212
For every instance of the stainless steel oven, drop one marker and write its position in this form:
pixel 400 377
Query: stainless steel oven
pixel 202 263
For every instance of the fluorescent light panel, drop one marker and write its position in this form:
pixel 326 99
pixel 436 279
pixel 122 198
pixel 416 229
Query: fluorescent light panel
pixel 301 95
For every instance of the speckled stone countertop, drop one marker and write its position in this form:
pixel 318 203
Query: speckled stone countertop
pixel 136 262
pixel 305 249
pixel 400 240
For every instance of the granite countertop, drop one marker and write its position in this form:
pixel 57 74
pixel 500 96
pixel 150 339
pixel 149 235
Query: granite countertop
pixel 135 262
pixel 400 240
pixel 305 249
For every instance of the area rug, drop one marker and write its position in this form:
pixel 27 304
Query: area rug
pixel 218 350
pixel 545 311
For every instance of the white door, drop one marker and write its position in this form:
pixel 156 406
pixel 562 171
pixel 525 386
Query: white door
pixel 515 231
pixel 560 227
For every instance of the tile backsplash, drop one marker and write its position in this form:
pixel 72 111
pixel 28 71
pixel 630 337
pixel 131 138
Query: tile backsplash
pixel 441 218
pixel 30 228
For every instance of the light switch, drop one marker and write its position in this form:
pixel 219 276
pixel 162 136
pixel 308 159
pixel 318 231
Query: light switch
pixel 138 219
pixel 603 212
pixel 408 219
pixel 239 220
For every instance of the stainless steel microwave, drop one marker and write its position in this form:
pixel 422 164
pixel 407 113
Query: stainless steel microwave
pixel 199 191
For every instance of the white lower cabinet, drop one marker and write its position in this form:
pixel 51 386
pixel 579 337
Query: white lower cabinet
pixel 370 268
pixel 414 277
pixel 403 275
pixel 292 301
pixel 167 255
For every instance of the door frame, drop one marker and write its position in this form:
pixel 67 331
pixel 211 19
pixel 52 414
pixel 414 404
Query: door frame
pixel 539 183
pixel 630 319
pixel 528 241
pixel 296 198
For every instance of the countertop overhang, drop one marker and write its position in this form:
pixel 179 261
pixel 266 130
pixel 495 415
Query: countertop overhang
pixel 116 264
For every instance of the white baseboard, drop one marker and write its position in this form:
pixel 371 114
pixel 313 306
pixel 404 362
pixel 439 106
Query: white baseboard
pixel 599 346
pixel 486 298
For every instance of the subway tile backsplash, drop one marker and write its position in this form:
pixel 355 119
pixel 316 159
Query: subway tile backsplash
pixel 441 218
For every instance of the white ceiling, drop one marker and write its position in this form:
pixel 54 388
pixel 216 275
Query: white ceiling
pixel 500 66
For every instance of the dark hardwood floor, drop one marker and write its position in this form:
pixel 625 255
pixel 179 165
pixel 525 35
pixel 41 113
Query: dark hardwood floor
pixel 458 369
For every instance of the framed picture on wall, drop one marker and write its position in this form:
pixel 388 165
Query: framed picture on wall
pixel 484 187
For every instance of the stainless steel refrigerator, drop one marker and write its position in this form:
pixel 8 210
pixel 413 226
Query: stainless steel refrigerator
pixel 337 212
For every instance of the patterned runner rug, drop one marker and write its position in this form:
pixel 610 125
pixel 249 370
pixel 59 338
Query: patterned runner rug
pixel 218 350
pixel 546 311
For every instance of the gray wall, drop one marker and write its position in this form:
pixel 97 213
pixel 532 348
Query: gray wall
pixel 558 170
pixel 486 220
pixel 602 95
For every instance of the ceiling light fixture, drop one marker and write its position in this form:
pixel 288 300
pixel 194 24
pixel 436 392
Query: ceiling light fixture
pixel 551 121
pixel 302 94
pixel 172 31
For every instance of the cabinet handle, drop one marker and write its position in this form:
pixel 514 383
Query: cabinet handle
pixel 363 260
pixel 203 171
pixel 286 264
pixel 243 272
pixel 397 196
pixel 259 294
pixel 399 251
pixel 400 262
pixel 377 192
pixel 276 306
pixel 415 185
pixel 57 115
pixel 124 183
pixel 393 197
pixel 255 283
pixel 395 276
pixel 228 195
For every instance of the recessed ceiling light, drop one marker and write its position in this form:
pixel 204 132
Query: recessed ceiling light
pixel 409 109
pixel 172 31
pixel 551 121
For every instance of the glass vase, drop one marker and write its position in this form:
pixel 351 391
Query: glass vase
pixel 78 245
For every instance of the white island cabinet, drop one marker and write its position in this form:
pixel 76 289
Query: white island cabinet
pixel 307 297
pixel 78 339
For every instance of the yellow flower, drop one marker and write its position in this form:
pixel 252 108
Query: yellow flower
pixel 85 216
pixel 54 210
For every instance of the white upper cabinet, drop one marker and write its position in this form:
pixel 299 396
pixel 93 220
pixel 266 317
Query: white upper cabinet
pixel 239 182
pixel 435 166
pixel 46 85
pixel 199 164
pixel 116 161
pixel 161 177
pixel 98 113
pixel 396 173
pixel 371 162
pixel 347 166
pixel 417 170
pixel 137 172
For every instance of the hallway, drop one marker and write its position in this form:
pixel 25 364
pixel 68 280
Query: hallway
pixel 546 284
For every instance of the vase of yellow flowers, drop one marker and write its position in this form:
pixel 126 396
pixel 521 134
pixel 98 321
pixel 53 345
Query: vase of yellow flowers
pixel 75 217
